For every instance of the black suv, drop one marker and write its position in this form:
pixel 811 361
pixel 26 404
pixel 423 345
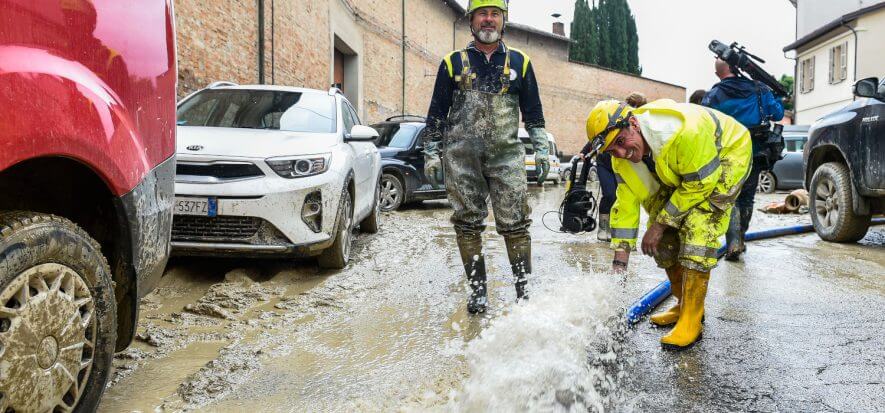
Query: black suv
pixel 845 165
pixel 402 163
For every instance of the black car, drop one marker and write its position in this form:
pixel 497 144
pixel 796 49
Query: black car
pixel 788 173
pixel 845 165
pixel 402 163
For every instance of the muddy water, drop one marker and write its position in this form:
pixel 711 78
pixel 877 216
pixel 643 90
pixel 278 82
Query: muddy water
pixel 391 332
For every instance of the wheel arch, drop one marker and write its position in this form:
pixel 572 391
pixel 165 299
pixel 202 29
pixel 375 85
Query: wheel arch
pixel 70 189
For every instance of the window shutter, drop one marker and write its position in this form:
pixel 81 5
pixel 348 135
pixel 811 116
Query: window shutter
pixel 844 61
pixel 832 73
pixel 811 83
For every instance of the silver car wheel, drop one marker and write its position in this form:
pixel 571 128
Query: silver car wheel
pixel 766 182
pixel 47 331
pixel 826 206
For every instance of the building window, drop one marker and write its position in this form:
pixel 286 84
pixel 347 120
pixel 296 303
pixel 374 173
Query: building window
pixel 806 75
pixel 838 63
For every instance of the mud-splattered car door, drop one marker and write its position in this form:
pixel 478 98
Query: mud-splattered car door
pixel 873 139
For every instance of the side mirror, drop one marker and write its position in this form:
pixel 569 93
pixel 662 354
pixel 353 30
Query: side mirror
pixel 361 133
pixel 866 88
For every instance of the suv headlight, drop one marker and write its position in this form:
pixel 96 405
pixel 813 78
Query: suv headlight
pixel 300 166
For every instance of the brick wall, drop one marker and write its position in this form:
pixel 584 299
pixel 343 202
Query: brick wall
pixel 217 40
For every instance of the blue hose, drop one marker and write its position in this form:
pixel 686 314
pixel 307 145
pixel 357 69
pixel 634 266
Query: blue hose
pixel 648 302
pixel 657 295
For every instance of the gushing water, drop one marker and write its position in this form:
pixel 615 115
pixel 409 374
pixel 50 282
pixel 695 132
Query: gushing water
pixel 557 352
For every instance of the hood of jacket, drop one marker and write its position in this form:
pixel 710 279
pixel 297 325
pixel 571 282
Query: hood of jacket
pixel 738 88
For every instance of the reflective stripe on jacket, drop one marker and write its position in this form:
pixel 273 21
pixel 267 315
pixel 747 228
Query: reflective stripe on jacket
pixel 704 161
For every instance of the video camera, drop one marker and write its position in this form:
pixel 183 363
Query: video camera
pixel 741 61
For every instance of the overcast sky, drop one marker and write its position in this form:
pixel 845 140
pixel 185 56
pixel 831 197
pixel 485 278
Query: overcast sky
pixel 674 34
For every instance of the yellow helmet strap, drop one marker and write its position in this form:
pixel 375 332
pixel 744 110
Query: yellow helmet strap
pixel 613 123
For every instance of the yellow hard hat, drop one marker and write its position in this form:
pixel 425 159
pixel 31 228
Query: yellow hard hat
pixel 605 120
pixel 478 4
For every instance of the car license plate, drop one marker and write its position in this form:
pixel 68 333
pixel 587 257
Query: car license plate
pixel 530 167
pixel 207 207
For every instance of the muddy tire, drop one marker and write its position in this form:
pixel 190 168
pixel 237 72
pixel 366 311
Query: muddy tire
pixel 767 182
pixel 57 315
pixel 338 255
pixel 393 193
pixel 830 205
pixel 372 223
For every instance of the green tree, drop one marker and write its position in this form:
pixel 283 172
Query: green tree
pixel 604 34
pixel 632 44
pixel 579 50
pixel 788 83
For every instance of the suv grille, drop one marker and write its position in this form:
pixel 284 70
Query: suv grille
pixel 223 171
pixel 214 229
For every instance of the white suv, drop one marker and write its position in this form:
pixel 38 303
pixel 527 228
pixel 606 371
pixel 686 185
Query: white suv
pixel 264 170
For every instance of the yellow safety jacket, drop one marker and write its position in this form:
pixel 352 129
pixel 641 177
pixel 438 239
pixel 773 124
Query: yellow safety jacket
pixel 704 161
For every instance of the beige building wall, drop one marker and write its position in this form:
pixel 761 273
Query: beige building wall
pixel 870 34
pixel 217 41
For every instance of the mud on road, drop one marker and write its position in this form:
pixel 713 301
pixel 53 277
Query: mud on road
pixel 390 332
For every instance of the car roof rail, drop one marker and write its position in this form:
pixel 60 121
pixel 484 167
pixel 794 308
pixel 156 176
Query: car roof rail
pixel 418 117
pixel 220 83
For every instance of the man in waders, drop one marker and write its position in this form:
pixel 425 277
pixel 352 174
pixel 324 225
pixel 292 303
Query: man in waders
pixel 684 164
pixel 472 126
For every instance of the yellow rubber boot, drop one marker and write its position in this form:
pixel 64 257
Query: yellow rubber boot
pixel 670 316
pixel 689 327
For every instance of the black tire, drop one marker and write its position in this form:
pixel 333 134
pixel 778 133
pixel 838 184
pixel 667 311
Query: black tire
pixel 372 223
pixel 393 193
pixel 830 205
pixel 62 264
pixel 767 182
pixel 338 255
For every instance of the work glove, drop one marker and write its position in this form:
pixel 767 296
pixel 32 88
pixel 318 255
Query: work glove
pixel 433 164
pixel 542 152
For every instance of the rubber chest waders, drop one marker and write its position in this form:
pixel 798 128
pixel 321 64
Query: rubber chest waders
pixel 484 158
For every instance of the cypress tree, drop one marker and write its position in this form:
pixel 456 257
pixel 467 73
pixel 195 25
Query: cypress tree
pixel 578 33
pixel 632 45
pixel 602 22
pixel 619 13
pixel 605 35
pixel 592 36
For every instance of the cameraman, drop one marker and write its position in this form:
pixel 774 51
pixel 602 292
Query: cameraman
pixel 753 105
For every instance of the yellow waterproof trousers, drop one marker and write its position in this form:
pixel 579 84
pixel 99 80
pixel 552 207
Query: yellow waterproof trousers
pixel 695 243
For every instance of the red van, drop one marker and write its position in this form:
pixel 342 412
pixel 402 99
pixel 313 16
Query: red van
pixel 87 137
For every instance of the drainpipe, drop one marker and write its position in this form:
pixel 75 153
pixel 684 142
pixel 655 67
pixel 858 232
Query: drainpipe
pixel 261 42
pixel 273 49
pixel 455 32
pixel 404 56
pixel 845 25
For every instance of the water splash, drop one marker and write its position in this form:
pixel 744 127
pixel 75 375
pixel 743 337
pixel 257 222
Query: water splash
pixel 560 351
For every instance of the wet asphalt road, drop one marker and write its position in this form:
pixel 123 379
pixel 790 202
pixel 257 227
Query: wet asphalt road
pixel 797 326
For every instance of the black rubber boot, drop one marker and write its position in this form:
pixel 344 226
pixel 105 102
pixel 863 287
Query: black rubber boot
pixel 519 251
pixel 470 247
pixel 746 216
pixel 734 237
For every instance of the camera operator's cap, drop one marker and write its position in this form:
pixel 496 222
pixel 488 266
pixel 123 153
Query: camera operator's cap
pixel 605 120
pixel 478 4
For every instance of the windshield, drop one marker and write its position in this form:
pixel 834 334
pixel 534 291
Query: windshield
pixel 396 136
pixel 260 109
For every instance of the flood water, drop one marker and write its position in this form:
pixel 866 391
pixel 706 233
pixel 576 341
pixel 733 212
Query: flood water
pixel 797 326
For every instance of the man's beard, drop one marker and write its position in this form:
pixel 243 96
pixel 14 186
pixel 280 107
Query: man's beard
pixel 487 37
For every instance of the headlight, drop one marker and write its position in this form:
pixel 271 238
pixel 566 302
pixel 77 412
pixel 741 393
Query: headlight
pixel 300 166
